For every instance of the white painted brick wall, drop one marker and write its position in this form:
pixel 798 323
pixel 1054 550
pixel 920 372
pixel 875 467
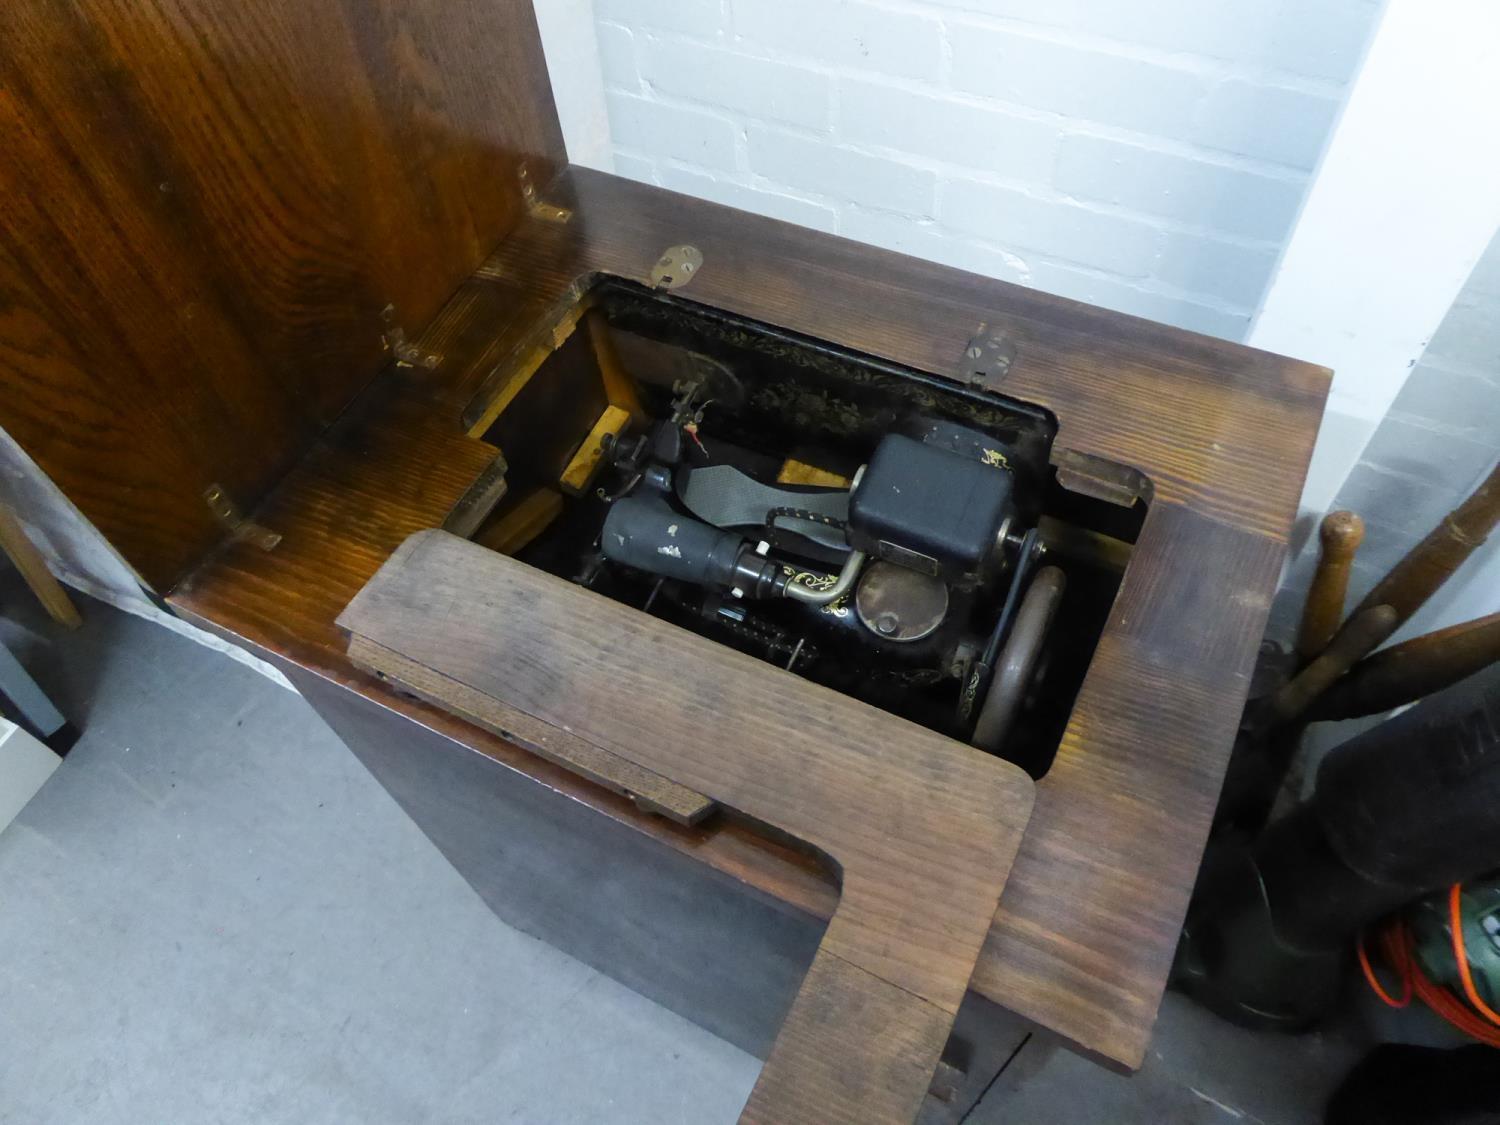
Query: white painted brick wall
pixel 1147 156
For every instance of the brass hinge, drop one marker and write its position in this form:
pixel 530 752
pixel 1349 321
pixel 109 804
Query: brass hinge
pixel 407 353
pixel 988 357
pixel 535 204
pixel 677 266
pixel 229 516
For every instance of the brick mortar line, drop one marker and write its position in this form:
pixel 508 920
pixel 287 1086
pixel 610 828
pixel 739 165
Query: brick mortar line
pixel 949 171
pixel 1146 284
pixel 1070 124
pixel 947 19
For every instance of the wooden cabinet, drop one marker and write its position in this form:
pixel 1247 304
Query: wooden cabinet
pixel 259 262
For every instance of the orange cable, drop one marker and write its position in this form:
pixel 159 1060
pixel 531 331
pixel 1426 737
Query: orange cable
pixel 1450 1008
pixel 1395 947
pixel 1461 955
pixel 1374 983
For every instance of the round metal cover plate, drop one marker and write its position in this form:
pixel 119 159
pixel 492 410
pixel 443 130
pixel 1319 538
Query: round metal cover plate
pixel 897 604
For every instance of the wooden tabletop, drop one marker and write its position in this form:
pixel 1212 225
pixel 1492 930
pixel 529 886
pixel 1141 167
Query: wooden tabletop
pixel 1217 434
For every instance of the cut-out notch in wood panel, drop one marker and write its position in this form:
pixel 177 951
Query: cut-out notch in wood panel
pixel 923 829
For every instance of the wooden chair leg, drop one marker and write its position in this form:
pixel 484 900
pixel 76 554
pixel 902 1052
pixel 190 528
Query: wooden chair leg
pixel 28 560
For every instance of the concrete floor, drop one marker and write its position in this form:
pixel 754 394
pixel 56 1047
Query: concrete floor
pixel 212 913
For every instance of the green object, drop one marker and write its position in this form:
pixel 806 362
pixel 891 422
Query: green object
pixel 1432 938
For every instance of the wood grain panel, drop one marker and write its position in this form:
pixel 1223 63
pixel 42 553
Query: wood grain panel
pixel 811 1073
pixel 204 207
pixel 1083 939
pixel 921 828
pixel 554 743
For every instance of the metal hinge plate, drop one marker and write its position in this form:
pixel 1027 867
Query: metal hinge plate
pixel 677 266
pixel 229 516
pixel 988 357
pixel 536 205
pixel 407 353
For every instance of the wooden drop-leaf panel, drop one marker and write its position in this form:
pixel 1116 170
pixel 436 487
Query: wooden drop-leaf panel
pixel 922 829
pixel 205 205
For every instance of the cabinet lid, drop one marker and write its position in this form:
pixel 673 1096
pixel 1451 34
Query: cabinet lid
pixel 205 208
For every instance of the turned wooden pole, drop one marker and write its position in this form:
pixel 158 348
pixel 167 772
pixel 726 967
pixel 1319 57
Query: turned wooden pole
pixel 1269 734
pixel 1431 562
pixel 1340 535
pixel 1406 672
pixel 1361 634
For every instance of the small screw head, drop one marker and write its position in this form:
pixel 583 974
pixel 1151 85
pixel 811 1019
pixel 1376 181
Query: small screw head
pixel 886 624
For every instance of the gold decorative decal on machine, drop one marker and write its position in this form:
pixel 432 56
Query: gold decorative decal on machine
pixel 815 581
